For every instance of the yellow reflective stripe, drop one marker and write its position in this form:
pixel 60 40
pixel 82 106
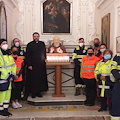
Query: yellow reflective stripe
pixel 118 54
pixel 114 63
pixel 102 89
pixel 80 60
pixel 80 56
pixel 85 48
pixel 23 57
pixel 74 56
pixel 77 48
pixel 13 73
pixel 88 70
pixel 3 81
pixel 118 67
pixel 105 74
pixel 115 118
pixel 78 85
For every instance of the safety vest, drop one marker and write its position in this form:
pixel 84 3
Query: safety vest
pixel 88 67
pixel 18 63
pixel 97 52
pixel 7 68
pixel 79 53
pixel 104 69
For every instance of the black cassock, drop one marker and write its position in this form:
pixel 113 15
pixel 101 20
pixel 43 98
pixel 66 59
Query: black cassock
pixel 36 55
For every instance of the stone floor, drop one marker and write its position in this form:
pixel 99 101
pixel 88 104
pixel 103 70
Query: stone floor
pixel 57 111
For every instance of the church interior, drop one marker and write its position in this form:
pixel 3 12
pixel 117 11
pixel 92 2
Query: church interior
pixel 88 19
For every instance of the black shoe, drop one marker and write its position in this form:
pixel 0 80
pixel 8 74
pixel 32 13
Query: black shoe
pixel 33 96
pixel 39 95
pixel 101 110
pixel 24 98
pixel 85 102
pixel 77 92
pixel 6 113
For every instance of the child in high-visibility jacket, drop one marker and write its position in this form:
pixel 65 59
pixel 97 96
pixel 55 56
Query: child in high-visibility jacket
pixel 16 92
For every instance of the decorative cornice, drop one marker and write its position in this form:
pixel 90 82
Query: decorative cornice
pixel 99 3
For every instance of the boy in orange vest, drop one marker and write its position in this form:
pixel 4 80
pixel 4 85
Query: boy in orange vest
pixel 16 92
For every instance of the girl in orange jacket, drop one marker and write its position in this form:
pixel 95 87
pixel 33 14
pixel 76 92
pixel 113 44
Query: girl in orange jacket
pixel 16 92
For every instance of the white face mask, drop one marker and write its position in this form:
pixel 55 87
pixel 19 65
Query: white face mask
pixel 102 50
pixel 5 47
pixel 17 44
pixel 81 44
pixel 56 44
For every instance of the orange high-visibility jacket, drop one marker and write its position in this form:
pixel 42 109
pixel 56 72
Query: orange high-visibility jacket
pixel 88 67
pixel 18 63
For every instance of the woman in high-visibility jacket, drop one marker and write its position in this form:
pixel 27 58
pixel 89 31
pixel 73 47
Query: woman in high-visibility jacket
pixel 105 78
pixel 7 75
pixel 87 73
pixel 16 92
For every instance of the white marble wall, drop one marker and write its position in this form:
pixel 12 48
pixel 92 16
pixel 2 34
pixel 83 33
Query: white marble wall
pixel 113 7
pixel 83 22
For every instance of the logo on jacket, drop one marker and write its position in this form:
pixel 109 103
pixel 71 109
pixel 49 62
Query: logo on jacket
pixel 108 67
pixel 21 52
pixel 84 51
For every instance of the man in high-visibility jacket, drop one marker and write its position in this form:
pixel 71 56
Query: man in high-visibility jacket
pixel 7 75
pixel 115 100
pixel 78 54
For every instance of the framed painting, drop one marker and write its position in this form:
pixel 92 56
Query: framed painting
pixel 3 21
pixel 56 16
pixel 118 44
pixel 105 30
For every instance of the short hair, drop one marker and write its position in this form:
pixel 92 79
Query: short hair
pixel 90 48
pixel 14 39
pixel 97 39
pixel 13 47
pixel 36 33
pixel 107 50
pixel 81 38
pixel 104 45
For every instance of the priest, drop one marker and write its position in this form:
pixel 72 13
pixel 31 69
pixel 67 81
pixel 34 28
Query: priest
pixel 35 58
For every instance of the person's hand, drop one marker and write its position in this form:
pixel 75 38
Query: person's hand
pixel 59 50
pixel 51 49
pixel 11 79
pixel 30 67
pixel 102 78
pixel 16 77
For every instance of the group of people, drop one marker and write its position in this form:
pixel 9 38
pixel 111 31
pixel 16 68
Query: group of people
pixel 94 68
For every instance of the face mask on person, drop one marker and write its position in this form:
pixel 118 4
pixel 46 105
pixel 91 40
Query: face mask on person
pixel 107 57
pixel 81 44
pixel 96 44
pixel 56 44
pixel 17 44
pixel 90 54
pixel 102 50
pixel 5 47
pixel 15 52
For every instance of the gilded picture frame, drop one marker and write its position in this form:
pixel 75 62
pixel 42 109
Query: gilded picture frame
pixel 56 17
pixel 118 44
pixel 105 30
pixel 3 21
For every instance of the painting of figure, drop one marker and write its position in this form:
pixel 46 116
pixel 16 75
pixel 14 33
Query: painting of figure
pixel 56 16
pixel 105 30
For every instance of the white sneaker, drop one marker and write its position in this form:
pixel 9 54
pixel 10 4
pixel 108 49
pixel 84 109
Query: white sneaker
pixel 18 105
pixel 14 105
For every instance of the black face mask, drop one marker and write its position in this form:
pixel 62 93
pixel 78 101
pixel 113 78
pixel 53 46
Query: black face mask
pixel 15 52
pixel 90 54
pixel 96 45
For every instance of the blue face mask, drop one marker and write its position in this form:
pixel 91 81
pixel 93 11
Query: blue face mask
pixel 107 57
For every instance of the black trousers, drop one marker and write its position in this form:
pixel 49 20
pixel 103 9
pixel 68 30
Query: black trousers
pixel 103 103
pixel 16 92
pixel 78 80
pixel 90 90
